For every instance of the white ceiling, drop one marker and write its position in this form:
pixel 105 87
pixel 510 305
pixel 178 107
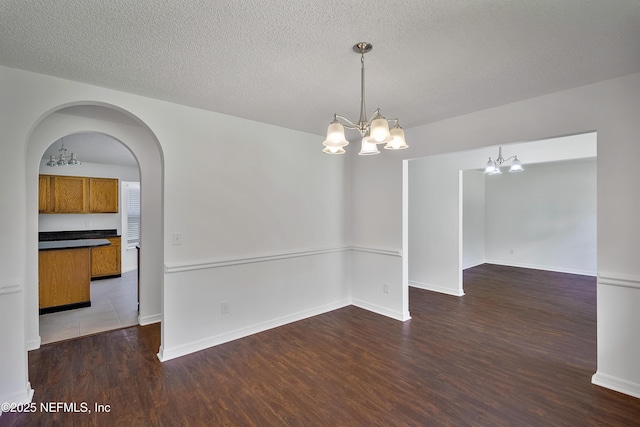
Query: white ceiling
pixel 93 147
pixel 291 63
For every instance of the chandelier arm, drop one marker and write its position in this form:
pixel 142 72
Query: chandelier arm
pixel 382 131
pixel 347 123
pixel 374 115
pixel 502 160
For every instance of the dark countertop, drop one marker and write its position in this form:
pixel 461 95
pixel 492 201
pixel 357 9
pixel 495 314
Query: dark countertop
pixel 47 236
pixel 72 244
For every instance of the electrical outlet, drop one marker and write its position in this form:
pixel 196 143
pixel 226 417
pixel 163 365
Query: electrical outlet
pixel 511 251
pixel 177 238
pixel 224 307
pixel 385 288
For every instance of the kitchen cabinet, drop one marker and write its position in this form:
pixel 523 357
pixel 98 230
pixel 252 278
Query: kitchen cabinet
pixel 44 194
pixel 77 194
pixel 64 273
pixel 64 279
pixel 106 260
pixel 103 195
pixel 69 194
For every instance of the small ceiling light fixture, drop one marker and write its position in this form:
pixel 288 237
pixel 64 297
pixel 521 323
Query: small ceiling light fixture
pixel 373 131
pixel 493 166
pixel 62 160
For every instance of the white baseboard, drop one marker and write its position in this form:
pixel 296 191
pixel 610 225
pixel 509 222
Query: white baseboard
pixel 34 344
pixel 616 384
pixel 20 397
pixel 382 310
pixel 436 288
pixel 473 264
pixel 542 267
pixel 149 320
pixel 188 348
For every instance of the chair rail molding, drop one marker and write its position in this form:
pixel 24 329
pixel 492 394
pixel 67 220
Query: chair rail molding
pixel 379 251
pixel 179 267
pixel 10 286
pixel 622 280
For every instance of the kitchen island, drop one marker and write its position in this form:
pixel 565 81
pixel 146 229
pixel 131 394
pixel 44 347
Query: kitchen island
pixel 64 273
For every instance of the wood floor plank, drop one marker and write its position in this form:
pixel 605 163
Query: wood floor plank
pixel 519 349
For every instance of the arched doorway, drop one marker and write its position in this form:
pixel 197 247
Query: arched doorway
pixel 140 140
pixel 112 175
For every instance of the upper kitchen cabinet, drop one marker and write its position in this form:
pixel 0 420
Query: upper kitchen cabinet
pixel 103 195
pixel 69 194
pixel 77 194
pixel 44 194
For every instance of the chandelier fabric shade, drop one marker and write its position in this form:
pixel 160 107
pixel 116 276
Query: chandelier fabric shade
pixel 374 130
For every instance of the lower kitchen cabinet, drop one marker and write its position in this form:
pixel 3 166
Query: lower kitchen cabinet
pixel 106 260
pixel 64 278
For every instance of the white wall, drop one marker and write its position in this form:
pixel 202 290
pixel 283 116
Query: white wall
pixel 258 294
pixel 612 108
pixel 438 250
pixel 261 210
pixel 377 234
pixel 473 215
pixel 435 208
pixel 248 200
pixel 543 218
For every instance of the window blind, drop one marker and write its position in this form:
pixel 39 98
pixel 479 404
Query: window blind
pixel 133 213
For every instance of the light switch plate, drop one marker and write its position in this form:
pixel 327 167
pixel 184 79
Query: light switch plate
pixel 177 238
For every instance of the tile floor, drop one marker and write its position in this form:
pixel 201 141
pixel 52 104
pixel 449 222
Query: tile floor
pixel 114 304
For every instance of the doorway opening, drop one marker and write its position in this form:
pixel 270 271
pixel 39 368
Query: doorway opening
pixel 133 136
pixel 499 220
pixel 109 299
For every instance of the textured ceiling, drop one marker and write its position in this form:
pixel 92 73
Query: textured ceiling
pixel 290 63
pixel 93 147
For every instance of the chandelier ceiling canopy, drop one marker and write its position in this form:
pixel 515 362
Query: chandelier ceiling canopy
pixel 374 130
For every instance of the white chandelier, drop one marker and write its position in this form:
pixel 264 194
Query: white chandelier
pixel 493 166
pixel 62 160
pixel 373 131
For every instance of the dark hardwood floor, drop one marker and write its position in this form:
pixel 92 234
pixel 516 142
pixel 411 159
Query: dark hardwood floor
pixel 519 349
